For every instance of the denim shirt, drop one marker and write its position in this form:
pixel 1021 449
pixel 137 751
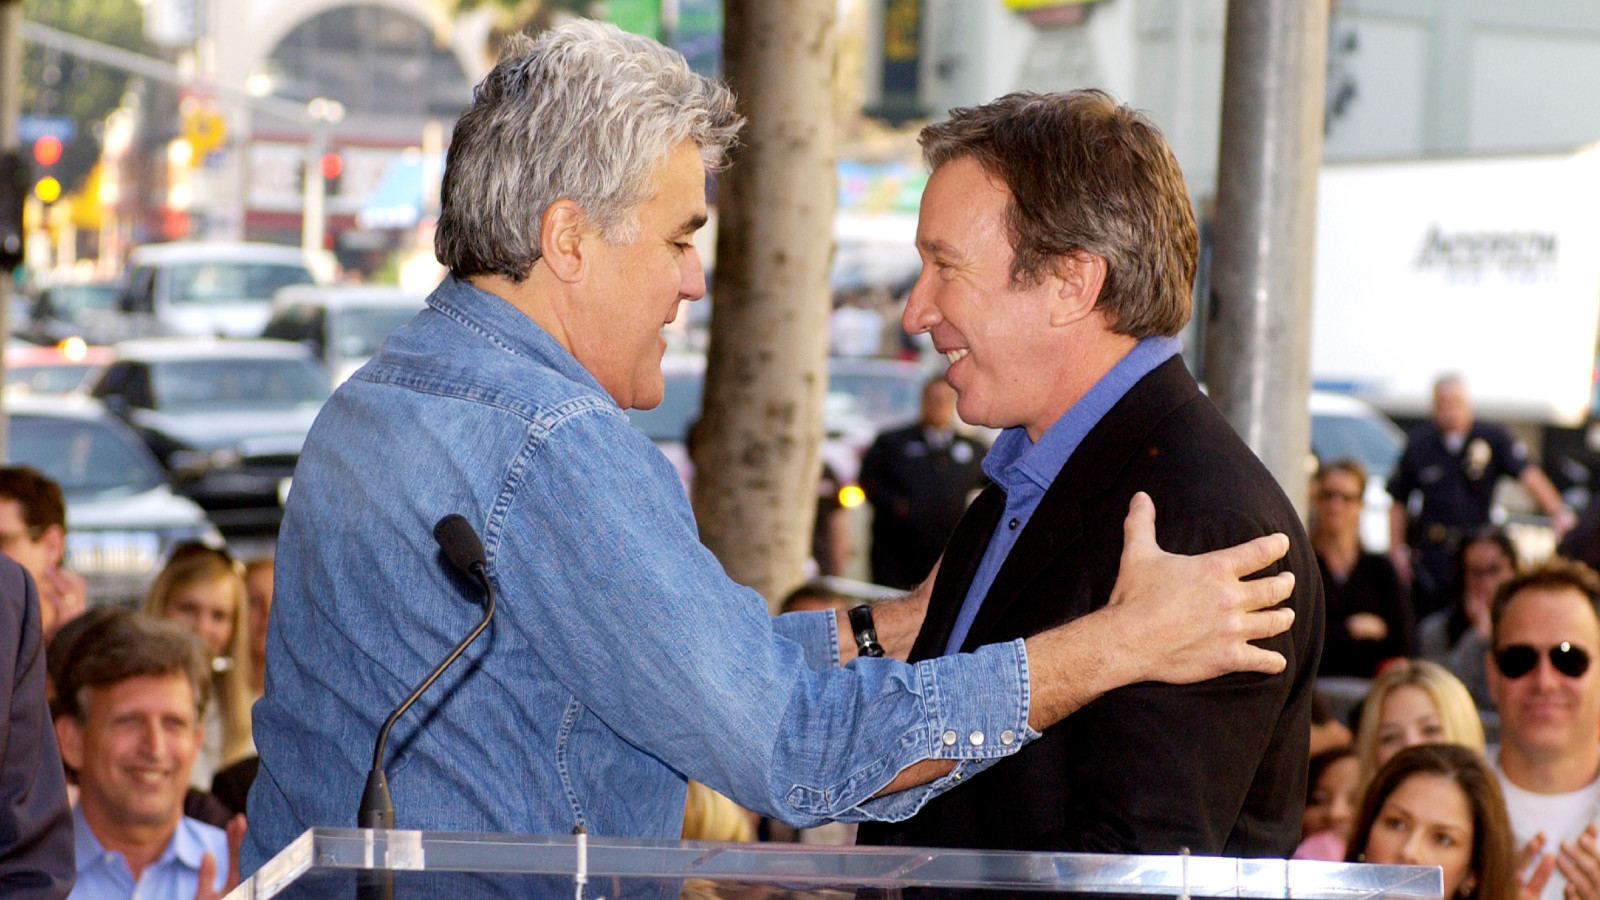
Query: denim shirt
pixel 621 659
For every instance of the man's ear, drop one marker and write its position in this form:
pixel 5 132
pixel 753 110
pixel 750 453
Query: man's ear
pixel 561 236
pixel 69 736
pixel 1080 276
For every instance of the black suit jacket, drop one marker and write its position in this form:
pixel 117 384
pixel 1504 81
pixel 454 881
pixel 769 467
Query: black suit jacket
pixel 1218 767
pixel 36 857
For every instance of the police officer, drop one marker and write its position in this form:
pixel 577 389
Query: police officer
pixel 1450 469
pixel 918 480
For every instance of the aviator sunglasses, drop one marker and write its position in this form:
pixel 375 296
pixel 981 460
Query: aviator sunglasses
pixel 1517 660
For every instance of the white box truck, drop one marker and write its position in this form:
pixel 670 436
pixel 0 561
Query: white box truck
pixel 1485 266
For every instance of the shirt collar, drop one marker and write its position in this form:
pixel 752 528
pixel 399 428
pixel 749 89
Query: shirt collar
pixel 185 844
pixel 84 844
pixel 1014 457
pixel 507 327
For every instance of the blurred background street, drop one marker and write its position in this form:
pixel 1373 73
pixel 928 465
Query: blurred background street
pixel 222 207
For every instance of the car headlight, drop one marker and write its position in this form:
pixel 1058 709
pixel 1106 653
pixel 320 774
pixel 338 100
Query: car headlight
pixel 196 463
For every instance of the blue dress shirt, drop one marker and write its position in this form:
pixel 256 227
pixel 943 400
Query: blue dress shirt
pixel 104 875
pixel 1024 469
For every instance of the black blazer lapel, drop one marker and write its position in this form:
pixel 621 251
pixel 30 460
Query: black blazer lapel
pixel 1057 523
pixel 962 554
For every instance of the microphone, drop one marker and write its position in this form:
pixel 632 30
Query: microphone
pixel 461 547
pixel 460 543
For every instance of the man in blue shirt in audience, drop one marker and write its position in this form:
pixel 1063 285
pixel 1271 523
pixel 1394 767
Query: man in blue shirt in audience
pixel 128 723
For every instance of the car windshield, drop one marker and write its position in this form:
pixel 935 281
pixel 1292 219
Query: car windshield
pixel 232 282
pixel 87 458
pixel 882 398
pixel 680 405
pixel 362 330
pixel 54 379
pixel 1375 442
pixel 237 384
pixel 66 301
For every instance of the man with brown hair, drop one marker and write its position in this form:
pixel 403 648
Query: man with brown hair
pixel 1546 688
pixel 129 704
pixel 1058 251
pixel 33 531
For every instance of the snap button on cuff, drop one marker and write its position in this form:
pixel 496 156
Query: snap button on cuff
pixel 949 738
pixel 975 739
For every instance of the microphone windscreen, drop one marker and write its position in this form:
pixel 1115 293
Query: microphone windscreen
pixel 460 543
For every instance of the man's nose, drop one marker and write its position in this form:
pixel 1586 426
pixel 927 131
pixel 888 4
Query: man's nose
pixel 152 739
pixel 920 313
pixel 692 276
pixel 1544 675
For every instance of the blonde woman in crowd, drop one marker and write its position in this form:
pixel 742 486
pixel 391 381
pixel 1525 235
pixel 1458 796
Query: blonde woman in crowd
pixel 1416 702
pixel 202 588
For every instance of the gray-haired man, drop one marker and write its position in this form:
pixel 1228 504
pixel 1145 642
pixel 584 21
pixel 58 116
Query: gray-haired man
pixel 622 659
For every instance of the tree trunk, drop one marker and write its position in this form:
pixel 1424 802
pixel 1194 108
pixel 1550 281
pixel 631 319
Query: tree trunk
pixel 756 454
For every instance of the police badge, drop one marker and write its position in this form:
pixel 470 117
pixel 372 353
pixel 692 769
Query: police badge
pixel 1475 461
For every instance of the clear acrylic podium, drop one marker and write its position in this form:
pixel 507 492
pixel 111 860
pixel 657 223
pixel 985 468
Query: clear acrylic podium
pixel 327 862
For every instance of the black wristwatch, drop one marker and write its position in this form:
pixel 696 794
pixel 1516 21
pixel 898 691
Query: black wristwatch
pixel 866 636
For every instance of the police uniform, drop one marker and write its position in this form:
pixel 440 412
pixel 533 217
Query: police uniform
pixel 918 481
pixel 1456 485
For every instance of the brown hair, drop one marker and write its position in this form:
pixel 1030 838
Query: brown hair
pixel 1552 574
pixel 1346 464
pixel 1493 846
pixel 1086 174
pixel 115 645
pixel 38 495
pixel 199 564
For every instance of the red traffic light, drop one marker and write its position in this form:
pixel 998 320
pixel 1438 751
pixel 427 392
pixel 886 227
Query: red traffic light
pixel 330 165
pixel 47 150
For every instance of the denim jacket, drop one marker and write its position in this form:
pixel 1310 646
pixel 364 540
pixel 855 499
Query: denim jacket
pixel 621 658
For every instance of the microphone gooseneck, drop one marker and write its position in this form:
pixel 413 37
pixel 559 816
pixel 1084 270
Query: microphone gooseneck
pixel 461 546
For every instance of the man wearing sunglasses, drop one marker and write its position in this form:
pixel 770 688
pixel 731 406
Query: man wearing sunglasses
pixel 1546 687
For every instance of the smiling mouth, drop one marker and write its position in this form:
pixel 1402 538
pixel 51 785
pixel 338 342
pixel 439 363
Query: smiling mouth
pixel 955 356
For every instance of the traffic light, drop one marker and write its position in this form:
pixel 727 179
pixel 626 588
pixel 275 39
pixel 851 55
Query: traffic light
pixel 46 153
pixel 332 166
pixel 13 191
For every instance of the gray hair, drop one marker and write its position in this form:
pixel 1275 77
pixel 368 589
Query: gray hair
pixel 586 113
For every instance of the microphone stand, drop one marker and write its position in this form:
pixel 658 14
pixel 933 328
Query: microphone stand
pixel 377 809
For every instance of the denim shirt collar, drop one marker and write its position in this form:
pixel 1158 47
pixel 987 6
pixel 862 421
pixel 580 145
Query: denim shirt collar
pixel 1014 459
pixel 509 328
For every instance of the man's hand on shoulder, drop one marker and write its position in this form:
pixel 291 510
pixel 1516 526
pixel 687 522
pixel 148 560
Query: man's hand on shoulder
pixel 1172 618
pixel 1190 618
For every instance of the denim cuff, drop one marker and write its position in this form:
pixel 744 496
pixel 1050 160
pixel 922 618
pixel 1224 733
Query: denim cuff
pixel 817 634
pixel 976 707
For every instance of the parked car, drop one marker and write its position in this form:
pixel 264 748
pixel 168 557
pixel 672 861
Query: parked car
pixel 122 517
pixel 342 326
pixel 52 369
pixel 867 396
pixel 83 309
pixel 207 289
pixel 227 418
pixel 1342 426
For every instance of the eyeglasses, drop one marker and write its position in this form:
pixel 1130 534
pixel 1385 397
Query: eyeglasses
pixel 1517 660
pixel 1326 496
